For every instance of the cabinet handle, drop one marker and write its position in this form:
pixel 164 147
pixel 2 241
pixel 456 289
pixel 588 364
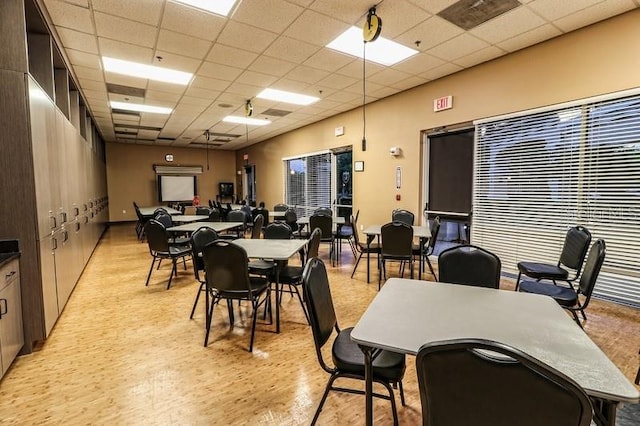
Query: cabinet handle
pixel 54 243
pixel 77 226
pixel 86 219
pixel 53 222
pixel 76 210
pixel 9 275
pixel 66 236
pixel 63 217
pixel 6 307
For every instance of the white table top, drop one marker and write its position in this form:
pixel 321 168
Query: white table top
pixel 276 214
pixel 148 211
pixel 339 220
pixel 270 249
pixel 193 226
pixel 418 231
pixel 189 218
pixel 409 313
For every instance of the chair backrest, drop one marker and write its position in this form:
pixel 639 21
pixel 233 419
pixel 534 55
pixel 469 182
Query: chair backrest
pixel 435 228
pixel 256 230
pixel 404 216
pixel 200 238
pixel 157 236
pixel 247 212
pixel 291 219
pixel 261 211
pixel 237 216
pixel 314 243
pixel 277 231
pixel 280 207
pixel 354 224
pixel 203 211
pixel 214 215
pixel 319 303
pixel 226 266
pixel 575 247
pixel 479 382
pixel 164 218
pixel 592 270
pixel 325 223
pixel 396 239
pixel 469 265
pixel 324 211
pixel 160 210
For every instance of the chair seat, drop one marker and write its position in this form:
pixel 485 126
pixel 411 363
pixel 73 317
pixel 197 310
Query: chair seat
pixel 543 271
pixel 180 241
pixel 179 250
pixel 258 286
pixel 288 275
pixel 349 358
pixel 565 296
pixel 260 267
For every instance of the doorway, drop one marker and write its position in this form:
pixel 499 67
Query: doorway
pixel 344 183
pixel 250 184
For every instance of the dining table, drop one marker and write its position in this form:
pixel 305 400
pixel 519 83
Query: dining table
pixel 216 226
pixel 278 251
pixel 406 314
pixel 186 218
pixel 150 210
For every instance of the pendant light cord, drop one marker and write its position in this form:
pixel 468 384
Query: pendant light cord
pixel 364 96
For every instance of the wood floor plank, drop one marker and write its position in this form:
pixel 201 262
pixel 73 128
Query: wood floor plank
pixel 124 353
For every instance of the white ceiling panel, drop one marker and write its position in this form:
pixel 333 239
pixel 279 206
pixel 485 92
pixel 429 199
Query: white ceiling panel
pixel 280 44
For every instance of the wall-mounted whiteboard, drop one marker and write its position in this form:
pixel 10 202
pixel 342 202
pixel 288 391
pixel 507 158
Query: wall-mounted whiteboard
pixel 176 188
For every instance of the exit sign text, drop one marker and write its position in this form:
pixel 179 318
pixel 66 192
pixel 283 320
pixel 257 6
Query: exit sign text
pixel 445 102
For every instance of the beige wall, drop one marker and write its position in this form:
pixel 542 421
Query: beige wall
pixel 599 59
pixel 131 177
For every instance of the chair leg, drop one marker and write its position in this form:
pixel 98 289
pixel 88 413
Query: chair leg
pixel 200 289
pixel 255 305
pixel 356 265
pixel 393 402
pixel 209 319
pixel 150 270
pixel 430 267
pixel 174 270
pixel 306 315
pixel 576 319
pixel 401 393
pixel 518 281
pixel 324 398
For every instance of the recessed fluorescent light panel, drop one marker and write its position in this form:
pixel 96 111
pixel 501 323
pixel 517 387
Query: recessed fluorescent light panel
pixel 151 72
pixel 245 120
pixel 140 108
pixel 382 51
pixel 219 7
pixel 288 97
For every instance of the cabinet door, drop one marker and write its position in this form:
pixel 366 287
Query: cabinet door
pixel 47 248
pixel 11 334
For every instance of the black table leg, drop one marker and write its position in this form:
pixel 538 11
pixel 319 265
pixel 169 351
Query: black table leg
pixel 604 412
pixel 368 388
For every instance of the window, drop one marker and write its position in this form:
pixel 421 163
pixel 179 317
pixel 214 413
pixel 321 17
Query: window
pixel 538 174
pixel 308 182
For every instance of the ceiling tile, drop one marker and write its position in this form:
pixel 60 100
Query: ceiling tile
pixel 410 82
pixel 508 25
pixel 290 85
pixel 176 62
pixel 328 60
pixel 348 12
pixel 271 66
pixel 553 9
pixel 315 28
pixel 337 81
pixel 307 74
pixel 383 93
pixel 256 78
pixel 530 38
pixel 219 71
pixel 146 11
pixel 190 21
pixel 236 34
pixel 125 80
pixel 197 101
pixel 125 51
pixel 460 46
pixel 271 15
pixel 430 33
pixel 288 49
pixel 419 63
pixel 183 44
pixel 369 87
pixel 165 87
pixel 88 73
pixel 70 16
pixel 342 97
pixel 433 6
pixel 354 69
pixel 125 30
pixel 231 56
pixel 88 60
pixel 246 90
pixel 479 56
pixel 209 83
pixel 397 16
pixel 388 77
pixel 441 71
pixel 592 14
pixel 79 41
pixel 92 84
pixel 199 92
pixel 152 95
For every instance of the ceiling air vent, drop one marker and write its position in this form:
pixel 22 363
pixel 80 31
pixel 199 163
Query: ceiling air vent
pixel 135 126
pixel 468 14
pixel 166 139
pixel 125 90
pixel 125 112
pixel 276 112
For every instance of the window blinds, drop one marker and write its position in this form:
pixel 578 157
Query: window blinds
pixel 538 174
pixel 308 182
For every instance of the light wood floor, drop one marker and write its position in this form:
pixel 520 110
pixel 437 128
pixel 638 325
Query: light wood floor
pixel 123 353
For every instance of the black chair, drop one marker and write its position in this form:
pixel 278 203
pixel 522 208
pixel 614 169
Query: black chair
pixel 200 238
pixel 291 219
pixel 469 265
pixel 202 211
pixel 363 248
pixel 273 231
pixel 324 211
pixel 573 300
pixel 215 215
pixel 574 250
pixel 348 359
pixel 142 220
pixel 261 211
pixel 227 277
pixel 481 383
pixel 165 219
pixel 404 216
pixel 280 207
pixel 424 250
pixel 325 224
pixel 237 216
pixel 256 229
pixel 160 248
pixel 396 245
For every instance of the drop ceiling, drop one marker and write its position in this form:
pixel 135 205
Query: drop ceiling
pixel 278 44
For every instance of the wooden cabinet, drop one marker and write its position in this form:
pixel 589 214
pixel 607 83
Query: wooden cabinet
pixel 11 332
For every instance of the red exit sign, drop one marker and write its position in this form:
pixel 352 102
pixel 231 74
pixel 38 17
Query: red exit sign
pixel 440 104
